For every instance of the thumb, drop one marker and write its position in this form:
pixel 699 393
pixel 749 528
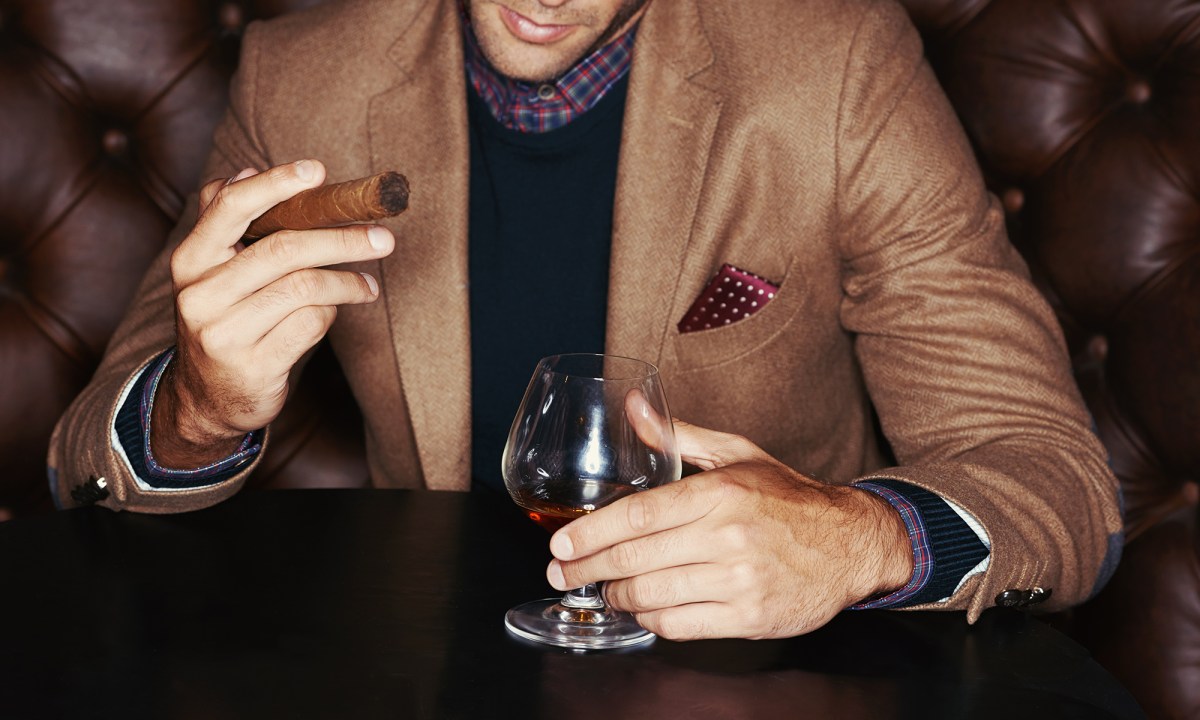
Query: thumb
pixel 711 449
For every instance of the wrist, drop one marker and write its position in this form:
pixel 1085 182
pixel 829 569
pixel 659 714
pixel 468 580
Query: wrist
pixel 887 547
pixel 180 436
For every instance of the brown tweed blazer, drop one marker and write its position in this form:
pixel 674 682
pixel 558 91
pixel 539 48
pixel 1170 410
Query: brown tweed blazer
pixel 805 141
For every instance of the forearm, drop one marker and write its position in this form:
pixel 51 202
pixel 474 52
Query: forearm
pixel 98 438
pixel 84 444
pixel 962 357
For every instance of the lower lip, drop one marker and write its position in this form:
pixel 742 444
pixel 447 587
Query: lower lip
pixel 527 31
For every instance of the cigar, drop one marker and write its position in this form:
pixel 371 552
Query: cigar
pixel 356 201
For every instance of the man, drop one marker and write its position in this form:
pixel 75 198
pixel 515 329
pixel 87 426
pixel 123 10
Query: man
pixel 581 171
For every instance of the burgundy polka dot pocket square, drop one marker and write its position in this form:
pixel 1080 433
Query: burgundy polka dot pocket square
pixel 732 295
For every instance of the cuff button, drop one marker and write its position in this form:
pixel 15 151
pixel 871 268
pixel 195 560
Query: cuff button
pixel 1022 598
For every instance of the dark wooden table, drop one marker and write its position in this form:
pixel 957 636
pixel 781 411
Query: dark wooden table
pixel 363 604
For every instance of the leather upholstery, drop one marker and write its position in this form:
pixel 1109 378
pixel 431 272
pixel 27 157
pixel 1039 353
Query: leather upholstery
pixel 106 109
pixel 1083 114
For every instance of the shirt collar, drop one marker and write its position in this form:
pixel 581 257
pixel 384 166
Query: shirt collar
pixel 541 107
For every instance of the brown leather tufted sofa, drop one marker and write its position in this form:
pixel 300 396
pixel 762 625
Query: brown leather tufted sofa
pixel 106 108
pixel 1085 115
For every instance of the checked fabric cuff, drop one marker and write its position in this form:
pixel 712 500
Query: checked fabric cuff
pixel 945 548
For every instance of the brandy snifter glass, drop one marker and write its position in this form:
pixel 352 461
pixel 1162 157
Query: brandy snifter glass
pixel 590 430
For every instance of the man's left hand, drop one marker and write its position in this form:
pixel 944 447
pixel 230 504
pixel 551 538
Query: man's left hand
pixel 748 548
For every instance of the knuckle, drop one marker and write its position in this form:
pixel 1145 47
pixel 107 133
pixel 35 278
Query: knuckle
pixel 735 537
pixel 661 594
pixel 641 595
pixel 282 248
pixel 742 576
pixel 743 446
pixel 618 595
pixel 186 300
pixel 674 626
pixel 307 326
pixel 572 577
pixel 733 448
pixel 640 512
pixel 729 488
pixel 179 263
pixel 625 558
pixel 213 339
pixel 304 284
pixel 223 200
pixel 313 322
pixel 694 491
pixel 209 191
pixel 352 240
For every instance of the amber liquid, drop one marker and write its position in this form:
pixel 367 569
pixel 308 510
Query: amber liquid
pixel 556 502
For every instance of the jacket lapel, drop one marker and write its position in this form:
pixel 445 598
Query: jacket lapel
pixel 419 127
pixel 668 130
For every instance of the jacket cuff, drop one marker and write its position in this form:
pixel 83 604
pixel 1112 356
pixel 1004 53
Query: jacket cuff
pixel 133 429
pixel 945 547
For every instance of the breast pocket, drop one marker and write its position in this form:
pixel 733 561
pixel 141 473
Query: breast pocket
pixel 740 340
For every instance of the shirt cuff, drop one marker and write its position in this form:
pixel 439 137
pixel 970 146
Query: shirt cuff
pixel 946 549
pixel 132 427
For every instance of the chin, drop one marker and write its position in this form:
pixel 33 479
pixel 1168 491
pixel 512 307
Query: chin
pixel 519 61
pixel 534 72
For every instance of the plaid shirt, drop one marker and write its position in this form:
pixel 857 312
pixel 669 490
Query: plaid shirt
pixel 536 108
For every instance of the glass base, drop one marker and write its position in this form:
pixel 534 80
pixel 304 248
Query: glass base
pixel 551 623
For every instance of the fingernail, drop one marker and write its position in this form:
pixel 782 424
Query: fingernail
pixel 305 170
pixel 554 575
pixel 378 237
pixel 371 281
pixel 561 547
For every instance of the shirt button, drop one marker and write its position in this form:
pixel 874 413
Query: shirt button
pixel 546 91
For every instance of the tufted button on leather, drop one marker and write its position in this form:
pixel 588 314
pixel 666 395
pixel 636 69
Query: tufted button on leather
pixel 115 142
pixel 1138 92
pixel 1013 199
pixel 1097 348
pixel 1022 598
pixel 231 15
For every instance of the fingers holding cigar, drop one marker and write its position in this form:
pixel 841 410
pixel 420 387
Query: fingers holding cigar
pixel 228 208
pixel 246 312
pixel 289 251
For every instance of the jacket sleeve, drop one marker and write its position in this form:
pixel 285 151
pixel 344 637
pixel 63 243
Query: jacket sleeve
pixel 85 444
pixel 961 355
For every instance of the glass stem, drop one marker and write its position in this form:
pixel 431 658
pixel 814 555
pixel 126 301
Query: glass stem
pixel 586 597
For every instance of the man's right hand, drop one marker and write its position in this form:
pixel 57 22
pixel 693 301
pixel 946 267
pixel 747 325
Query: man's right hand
pixel 244 316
